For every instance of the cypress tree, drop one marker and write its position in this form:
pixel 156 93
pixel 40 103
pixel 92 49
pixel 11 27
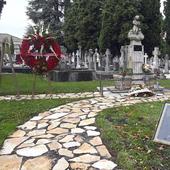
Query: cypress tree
pixel 2 3
pixel 82 23
pixel 167 24
pixel 150 10
pixel 117 19
pixel 49 12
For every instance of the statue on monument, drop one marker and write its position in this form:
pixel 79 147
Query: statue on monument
pixel 136 24
pixel 135 33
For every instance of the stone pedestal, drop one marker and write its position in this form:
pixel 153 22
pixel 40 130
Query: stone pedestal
pixel 136 52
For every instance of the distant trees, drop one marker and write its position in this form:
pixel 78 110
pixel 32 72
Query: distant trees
pixel 82 24
pixel 49 12
pixel 167 25
pixel 99 23
pixel 116 21
pixel 2 3
pixel 152 24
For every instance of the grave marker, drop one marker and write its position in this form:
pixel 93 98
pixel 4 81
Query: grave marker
pixel 162 134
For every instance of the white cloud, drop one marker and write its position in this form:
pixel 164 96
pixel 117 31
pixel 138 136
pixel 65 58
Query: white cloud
pixel 13 19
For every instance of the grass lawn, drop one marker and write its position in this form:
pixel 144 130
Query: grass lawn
pixel 7 86
pixel 165 83
pixel 14 113
pixel 128 133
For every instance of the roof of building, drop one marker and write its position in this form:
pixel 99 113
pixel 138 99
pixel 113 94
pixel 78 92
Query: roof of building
pixel 8 36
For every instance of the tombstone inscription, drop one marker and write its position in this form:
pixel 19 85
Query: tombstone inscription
pixel 162 134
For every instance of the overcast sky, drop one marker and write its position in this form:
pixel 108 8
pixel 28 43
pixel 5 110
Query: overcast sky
pixel 14 20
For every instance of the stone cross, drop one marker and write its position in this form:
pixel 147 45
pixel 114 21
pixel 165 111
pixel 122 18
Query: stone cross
pixel 145 58
pixel 108 53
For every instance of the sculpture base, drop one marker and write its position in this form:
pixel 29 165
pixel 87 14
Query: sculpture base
pixel 147 79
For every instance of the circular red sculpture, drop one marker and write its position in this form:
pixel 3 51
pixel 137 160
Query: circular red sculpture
pixel 41 53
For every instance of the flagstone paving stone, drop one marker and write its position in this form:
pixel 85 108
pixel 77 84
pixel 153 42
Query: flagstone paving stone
pixel 66 152
pixel 38 163
pixel 96 141
pixel 85 148
pixel 65 137
pixel 79 166
pixel 87 122
pixel 71 144
pixel 62 164
pixel 77 130
pixel 104 164
pixel 103 151
pixel 54 145
pixel 58 131
pixel 18 133
pixel 15 162
pixel 86 158
pixel 93 133
pixel 32 151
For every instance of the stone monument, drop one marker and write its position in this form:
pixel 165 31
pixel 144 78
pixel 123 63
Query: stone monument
pixel 156 53
pixel 166 68
pixel 78 59
pixel 90 59
pixel 135 58
pixel 108 54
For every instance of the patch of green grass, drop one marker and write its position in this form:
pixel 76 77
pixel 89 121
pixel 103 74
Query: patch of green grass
pixel 14 113
pixel 128 133
pixel 7 85
pixel 165 83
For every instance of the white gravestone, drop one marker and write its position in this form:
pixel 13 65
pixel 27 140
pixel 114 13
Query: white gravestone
pixel 90 59
pixel 162 134
pixel 86 60
pixel 78 59
pixel 122 57
pixel 156 53
pixel 166 63
pixel 97 58
pixel 108 54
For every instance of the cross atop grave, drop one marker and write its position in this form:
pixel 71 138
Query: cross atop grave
pixel 145 58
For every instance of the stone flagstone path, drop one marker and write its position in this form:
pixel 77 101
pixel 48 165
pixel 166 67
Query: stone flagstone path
pixel 52 96
pixel 63 138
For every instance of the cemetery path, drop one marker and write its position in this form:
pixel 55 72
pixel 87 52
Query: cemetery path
pixel 52 96
pixel 64 138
